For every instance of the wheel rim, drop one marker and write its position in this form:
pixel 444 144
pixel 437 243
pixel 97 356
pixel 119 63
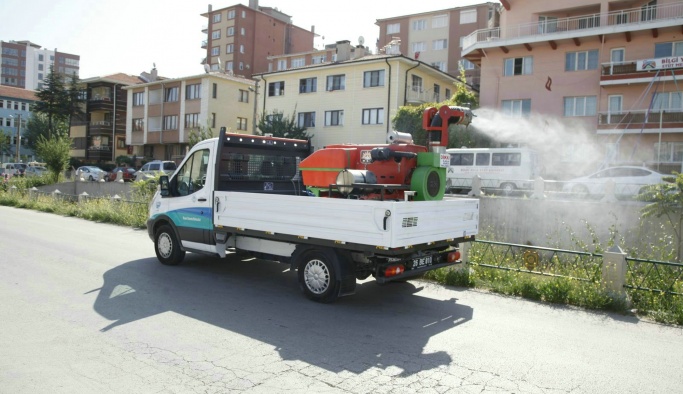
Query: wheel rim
pixel 165 245
pixel 316 276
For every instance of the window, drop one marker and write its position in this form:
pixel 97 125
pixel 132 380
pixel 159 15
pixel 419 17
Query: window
pixel 483 159
pixel 586 60
pixel 230 48
pixel 171 94
pixel 516 108
pixel 244 14
pixel 241 48
pixel 393 28
pixel 193 92
pixel 138 124
pixel 334 118
pixel 230 31
pixel 373 116
pixel 547 24
pixel 467 65
pixel 418 46
pixel 216 17
pixel 373 78
pixel 506 159
pixel 242 124
pixel 282 64
pixel 241 66
pixel 462 159
pixel 215 67
pixel 519 66
pixel 617 55
pixel 648 12
pixel 243 96
pixel 417 84
pixel 448 94
pixel 336 82
pixel 468 16
pixel 40 66
pixel 228 66
pixel 155 96
pixel 214 92
pixel 667 101
pixel 231 14
pixel 191 121
pixel 580 106
pixel 299 62
pixel 216 34
pixel 213 119
pixel 419 24
pixel 243 31
pixel 192 175
pixel 308 85
pixel 439 44
pixel 170 122
pixel 306 119
pixel 276 88
pixel 440 65
pixel 215 51
pixel 138 99
pixel 40 58
pixel 669 152
pixel 668 49
pixel 437 93
pixel 439 21
pixel 318 59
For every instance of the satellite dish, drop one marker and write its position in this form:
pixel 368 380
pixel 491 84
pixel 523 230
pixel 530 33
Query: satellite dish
pixel 361 40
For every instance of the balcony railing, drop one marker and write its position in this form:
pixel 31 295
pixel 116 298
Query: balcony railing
pixel 205 44
pixel 617 68
pixel 630 17
pixel 654 117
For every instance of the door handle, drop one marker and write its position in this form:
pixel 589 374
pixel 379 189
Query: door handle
pixel 201 199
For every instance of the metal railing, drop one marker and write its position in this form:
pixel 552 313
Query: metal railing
pixel 656 276
pixel 631 17
pixel 641 116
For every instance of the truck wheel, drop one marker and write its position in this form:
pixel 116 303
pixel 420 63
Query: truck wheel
pixel 318 275
pixel 167 247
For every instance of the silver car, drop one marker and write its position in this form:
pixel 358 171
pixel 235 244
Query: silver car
pixel 90 173
pixel 628 181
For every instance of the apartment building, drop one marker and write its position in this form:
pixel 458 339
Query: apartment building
pixel 435 37
pixel 240 38
pixel 609 69
pixel 351 100
pixel 100 135
pixel 15 111
pixel 25 64
pixel 341 50
pixel 161 114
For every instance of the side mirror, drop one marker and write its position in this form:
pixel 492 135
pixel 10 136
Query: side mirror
pixel 163 186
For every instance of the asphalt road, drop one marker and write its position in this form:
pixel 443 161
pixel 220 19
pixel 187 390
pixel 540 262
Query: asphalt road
pixel 86 308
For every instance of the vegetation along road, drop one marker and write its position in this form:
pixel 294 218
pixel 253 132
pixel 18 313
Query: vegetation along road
pixel 86 308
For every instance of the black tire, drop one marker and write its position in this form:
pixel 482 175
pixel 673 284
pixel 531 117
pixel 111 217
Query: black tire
pixel 167 247
pixel 318 276
pixel 90 178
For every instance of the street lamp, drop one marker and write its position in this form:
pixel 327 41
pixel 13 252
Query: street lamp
pixel 17 141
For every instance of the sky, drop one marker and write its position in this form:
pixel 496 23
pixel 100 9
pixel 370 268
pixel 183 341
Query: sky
pixel 130 36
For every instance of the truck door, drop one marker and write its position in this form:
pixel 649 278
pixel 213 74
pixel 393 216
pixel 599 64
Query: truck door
pixel 190 204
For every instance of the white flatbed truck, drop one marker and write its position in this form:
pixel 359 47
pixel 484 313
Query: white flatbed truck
pixel 244 193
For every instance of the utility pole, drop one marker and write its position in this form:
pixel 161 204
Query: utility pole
pixel 18 140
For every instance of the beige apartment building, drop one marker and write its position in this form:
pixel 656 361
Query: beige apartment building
pixel 161 114
pixel 435 37
pixel 608 71
pixel 240 38
pixel 351 100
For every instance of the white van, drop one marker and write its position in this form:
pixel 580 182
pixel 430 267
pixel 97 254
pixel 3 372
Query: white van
pixel 507 169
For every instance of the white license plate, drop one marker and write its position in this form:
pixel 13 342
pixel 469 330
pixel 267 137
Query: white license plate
pixel 422 261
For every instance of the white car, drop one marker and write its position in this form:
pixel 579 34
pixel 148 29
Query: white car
pixel 35 171
pixel 628 181
pixel 90 173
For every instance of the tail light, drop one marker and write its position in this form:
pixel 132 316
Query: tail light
pixel 453 256
pixel 394 270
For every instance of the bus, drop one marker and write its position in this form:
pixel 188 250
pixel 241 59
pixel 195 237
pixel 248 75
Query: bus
pixel 507 169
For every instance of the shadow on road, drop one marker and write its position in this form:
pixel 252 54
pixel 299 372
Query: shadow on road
pixel 379 326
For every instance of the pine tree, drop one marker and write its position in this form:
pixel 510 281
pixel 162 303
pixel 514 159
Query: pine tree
pixel 53 100
pixel 282 126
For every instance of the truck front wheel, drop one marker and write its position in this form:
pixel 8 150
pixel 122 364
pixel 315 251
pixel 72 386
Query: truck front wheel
pixel 318 277
pixel 167 247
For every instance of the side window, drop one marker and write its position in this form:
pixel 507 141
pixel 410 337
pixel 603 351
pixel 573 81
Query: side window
pixel 483 159
pixel 192 175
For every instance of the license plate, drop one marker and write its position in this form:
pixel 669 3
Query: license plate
pixel 422 261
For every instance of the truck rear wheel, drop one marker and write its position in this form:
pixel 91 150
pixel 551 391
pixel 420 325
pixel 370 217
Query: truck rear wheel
pixel 318 276
pixel 167 247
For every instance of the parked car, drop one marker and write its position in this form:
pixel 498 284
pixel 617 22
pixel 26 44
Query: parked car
pixel 127 172
pixel 628 180
pixel 90 173
pixel 36 171
pixel 15 169
pixel 154 168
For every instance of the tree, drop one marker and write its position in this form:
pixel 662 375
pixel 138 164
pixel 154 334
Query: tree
pixel 36 127
pixel 54 151
pixel 76 98
pixel 4 142
pixel 666 199
pixel 198 134
pixel 282 126
pixel 53 100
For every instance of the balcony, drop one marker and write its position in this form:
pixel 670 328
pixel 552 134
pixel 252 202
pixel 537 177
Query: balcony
pixel 99 127
pixel 416 95
pixel 205 44
pixel 628 72
pixel 623 21
pixel 641 119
